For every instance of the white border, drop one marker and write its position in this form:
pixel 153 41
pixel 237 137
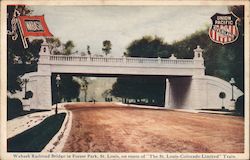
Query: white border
pixel 3 68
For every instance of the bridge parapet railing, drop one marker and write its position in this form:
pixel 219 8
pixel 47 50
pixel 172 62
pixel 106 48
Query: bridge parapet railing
pixel 177 61
pixel 124 60
pixel 141 60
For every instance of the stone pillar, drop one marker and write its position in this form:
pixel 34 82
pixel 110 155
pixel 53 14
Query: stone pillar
pixel 44 54
pixel 159 60
pixel 40 81
pixel 198 93
pixel 167 93
pixel 172 57
pixel 199 62
pixel 41 88
pixel 124 59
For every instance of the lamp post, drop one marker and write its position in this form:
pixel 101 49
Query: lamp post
pixel 58 79
pixel 25 87
pixel 232 82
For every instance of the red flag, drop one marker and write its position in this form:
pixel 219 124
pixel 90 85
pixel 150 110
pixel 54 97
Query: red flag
pixel 34 26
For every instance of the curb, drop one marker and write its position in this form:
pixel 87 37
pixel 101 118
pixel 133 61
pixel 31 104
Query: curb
pixel 141 106
pixel 172 109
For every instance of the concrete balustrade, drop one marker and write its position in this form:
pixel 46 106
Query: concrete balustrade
pixel 127 60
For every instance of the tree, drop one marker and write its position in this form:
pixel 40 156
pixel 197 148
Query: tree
pixel 216 60
pixel 84 85
pixel 55 45
pixel 106 47
pixel 88 50
pixel 106 93
pixel 125 54
pixel 239 106
pixel 148 47
pixel 59 48
pixel 223 61
pixel 68 47
pixel 69 88
pixel 237 49
pixel 150 88
pixel 19 60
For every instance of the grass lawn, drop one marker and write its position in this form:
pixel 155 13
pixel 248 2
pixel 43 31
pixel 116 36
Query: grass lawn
pixel 36 138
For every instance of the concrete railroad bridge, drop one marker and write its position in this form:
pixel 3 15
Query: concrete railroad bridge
pixel 186 87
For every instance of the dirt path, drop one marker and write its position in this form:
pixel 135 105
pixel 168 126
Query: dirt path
pixel 104 127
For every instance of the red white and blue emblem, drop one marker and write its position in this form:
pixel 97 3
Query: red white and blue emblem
pixel 224 28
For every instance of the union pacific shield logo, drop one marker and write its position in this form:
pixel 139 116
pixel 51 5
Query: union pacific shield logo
pixel 224 28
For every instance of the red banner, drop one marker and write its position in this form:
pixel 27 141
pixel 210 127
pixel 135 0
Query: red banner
pixel 34 26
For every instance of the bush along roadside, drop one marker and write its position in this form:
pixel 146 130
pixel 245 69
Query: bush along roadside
pixel 36 138
pixel 15 109
pixel 239 106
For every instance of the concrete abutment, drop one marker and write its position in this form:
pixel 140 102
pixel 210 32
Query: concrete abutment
pixel 200 93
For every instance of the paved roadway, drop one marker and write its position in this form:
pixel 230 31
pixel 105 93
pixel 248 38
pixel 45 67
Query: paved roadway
pixel 107 127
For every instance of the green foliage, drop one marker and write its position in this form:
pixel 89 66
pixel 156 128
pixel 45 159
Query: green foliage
pixel 36 138
pixel 106 93
pixel 14 108
pixel 149 47
pixel 223 61
pixel 140 87
pixel 220 60
pixel 85 84
pixel 239 106
pixel 68 89
pixel 28 94
pixel 19 60
pixel 68 47
pixel 55 45
pixel 88 50
pixel 150 88
pixel 215 55
pixel 106 47
pixel 59 48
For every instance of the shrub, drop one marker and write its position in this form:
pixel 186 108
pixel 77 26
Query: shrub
pixel 28 94
pixel 239 106
pixel 78 99
pixel 14 107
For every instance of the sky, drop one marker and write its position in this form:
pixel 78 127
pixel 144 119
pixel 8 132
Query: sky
pixel 91 25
